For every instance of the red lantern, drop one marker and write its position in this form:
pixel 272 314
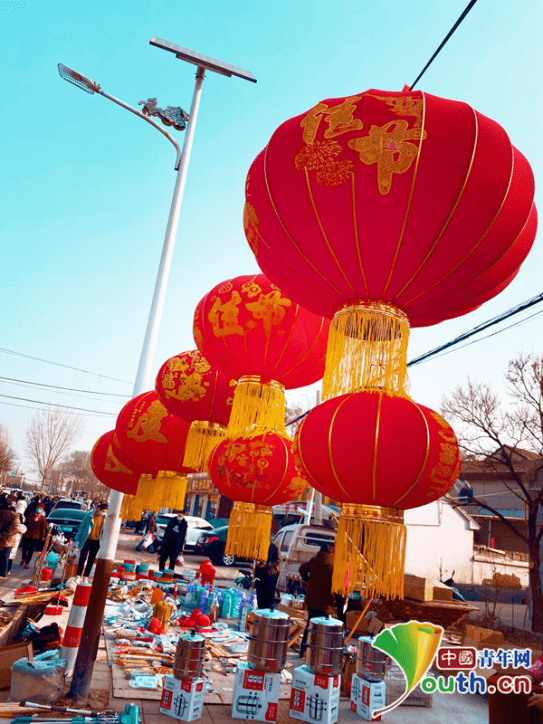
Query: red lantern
pixel 251 331
pixel 190 388
pixel 404 198
pixel 257 473
pixel 379 455
pixel 112 467
pixel 155 439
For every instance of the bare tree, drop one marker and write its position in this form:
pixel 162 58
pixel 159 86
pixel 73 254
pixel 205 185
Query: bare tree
pixel 75 473
pixel 7 455
pixel 500 432
pixel 49 436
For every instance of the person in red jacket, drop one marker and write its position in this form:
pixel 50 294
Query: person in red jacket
pixel 36 530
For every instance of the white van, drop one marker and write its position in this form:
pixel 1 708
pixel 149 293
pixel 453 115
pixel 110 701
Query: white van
pixel 297 544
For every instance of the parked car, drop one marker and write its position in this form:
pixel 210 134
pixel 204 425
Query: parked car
pixel 297 544
pixel 212 543
pixel 66 520
pixel 195 527
pixel 70 503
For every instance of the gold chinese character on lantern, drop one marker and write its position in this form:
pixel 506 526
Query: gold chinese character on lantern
pixel 147 426
pixel 389 147
pixel 270 309
pixel 224 317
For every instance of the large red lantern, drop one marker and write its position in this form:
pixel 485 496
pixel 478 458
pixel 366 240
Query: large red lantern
pixel 112 467
pixel 257 473
pixel 379 455
pixel 252 332
pixel 189 387
pixel 155 439
pixel 405 198
pixel 385 210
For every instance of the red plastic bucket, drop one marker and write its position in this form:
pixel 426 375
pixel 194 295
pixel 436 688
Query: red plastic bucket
pixel 46 574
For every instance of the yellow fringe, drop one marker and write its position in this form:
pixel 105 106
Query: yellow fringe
pixel 258 408
pixel 367 350
pixel 202 439
pixel 370 551
pixel 167 490
pixel 249 531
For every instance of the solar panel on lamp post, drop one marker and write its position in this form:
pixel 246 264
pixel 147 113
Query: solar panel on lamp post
pixel 105 560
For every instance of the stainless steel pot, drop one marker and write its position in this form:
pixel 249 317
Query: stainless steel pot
pixel 268 640
pixel 370 662
pixel 325 646
pixel 189 656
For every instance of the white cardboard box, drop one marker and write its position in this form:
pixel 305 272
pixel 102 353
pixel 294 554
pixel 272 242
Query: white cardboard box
pixel 314 698
pixel 256 694
pixel 183 700
pixel 367 696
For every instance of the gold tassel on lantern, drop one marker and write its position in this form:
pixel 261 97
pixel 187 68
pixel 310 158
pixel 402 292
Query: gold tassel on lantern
pixel 370 551
pixel 249 531
pixel 258 408
pixel 202 439
pixel 367 350
pixel 167 490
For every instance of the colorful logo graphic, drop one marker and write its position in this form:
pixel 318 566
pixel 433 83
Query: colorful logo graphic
pixel 413 646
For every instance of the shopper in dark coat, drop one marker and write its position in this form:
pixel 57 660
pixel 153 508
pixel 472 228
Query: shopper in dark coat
pixel 266 575
pixel 319 599
pixel 36 530
pixel 173 541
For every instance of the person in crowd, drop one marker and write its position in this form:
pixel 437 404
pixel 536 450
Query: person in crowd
pixel 31 507
pixel 15 540
pixel 88 539
pixel 151 523
pixel 173 541
pixel 266 575
pixel 48 504
pixel 8 528
pixel 319 599
pixel 34 536
pixel 21 504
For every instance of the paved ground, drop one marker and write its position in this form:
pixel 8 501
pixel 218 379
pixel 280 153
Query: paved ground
pixel 446 709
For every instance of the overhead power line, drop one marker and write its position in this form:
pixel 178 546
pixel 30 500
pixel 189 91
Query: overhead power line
pixel 69 389
pixel 479 328
pixel 58 364
pixel 445 40
pixel 53 404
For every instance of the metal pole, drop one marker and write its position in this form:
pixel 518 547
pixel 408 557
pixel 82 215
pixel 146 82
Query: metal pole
pixel 88 648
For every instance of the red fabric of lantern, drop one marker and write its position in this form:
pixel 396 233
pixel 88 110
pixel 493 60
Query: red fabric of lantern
pixel 404 197
pixel 257 470
pixel 372 449
pixel 151 435
pixel 112 467
pixel 247 326
pixel 189 387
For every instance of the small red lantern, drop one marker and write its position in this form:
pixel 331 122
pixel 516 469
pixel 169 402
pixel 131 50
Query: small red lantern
pixel 112 467
pixel 257 473
pixel 190 388
pixel 379 455
pixel 155 439
pixel 251 331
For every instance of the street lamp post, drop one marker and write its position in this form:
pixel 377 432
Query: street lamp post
pixel 104 563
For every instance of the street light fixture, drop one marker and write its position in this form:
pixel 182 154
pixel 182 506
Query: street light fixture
pixel 104 564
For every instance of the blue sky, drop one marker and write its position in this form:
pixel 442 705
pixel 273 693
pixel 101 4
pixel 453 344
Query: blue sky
pixel 85 187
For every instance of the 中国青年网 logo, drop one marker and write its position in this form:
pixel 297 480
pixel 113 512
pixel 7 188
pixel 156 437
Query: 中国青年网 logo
pixel 416 644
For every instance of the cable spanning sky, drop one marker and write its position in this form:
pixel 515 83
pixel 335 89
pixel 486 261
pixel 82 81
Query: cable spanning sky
pixel 85 187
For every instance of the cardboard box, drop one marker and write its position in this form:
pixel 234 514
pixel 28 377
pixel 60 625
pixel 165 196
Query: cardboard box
pixel 256 694
pixel 11 654
pixel 369 625
pixel 482 637
pixel 417 588
pixel 442 592
pixel 314 698
pixel 367 695
pixel 183 700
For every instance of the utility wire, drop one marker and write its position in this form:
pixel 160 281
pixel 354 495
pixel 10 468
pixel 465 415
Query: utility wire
pixel 450 33
pixel 67 407
pixel 58 364
pixel 70 389
pixel 479 328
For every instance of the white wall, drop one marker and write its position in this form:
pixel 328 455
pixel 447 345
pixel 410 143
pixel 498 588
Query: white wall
pixel 437 534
